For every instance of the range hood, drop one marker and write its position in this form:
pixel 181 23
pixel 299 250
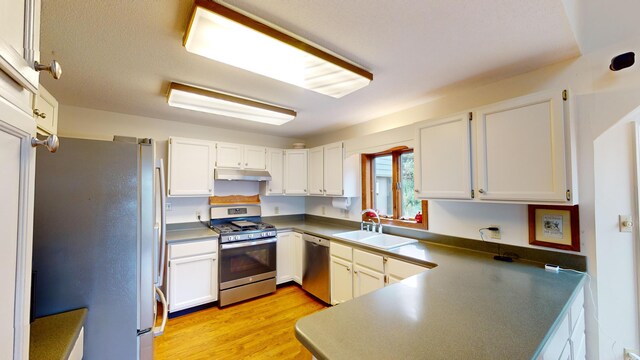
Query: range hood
pixel 237 174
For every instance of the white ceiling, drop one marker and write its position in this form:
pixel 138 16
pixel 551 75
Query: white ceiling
pixel 120 55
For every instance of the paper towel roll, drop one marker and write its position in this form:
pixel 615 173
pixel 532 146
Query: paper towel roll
pixel 341 203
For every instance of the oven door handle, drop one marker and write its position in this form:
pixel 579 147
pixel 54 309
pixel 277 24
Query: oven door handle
pixel 241 244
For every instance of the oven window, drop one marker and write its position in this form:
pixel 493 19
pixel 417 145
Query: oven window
pixel 238 263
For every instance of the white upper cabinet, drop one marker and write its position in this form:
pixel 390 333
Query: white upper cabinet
pixel 334 180
pixel 229 155
pixel 237 156
pixel 45 111
pixel 443 158
pixel 190 167
pixel 521 149
pixel 316 171
pixel 295 171
pixel 20 41
pixel 255 157
pixel 275 167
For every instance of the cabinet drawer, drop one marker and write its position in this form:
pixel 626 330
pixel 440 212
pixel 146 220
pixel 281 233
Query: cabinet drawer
pixel 558 341
pixel 403 270
pixel 341 251
pixel 577 308
pixel 373 262
pixel 577 336
pixel 192 248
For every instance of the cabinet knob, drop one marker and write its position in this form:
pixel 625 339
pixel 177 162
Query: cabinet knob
pixel 246 164
pixel 320 190
pixel 51 143
pixel 39 114
pixel 305 190
pixel 348 268
pixel 417 191
pixel 270 190
pixel 239 164
pixel 54 68
pixel 481 191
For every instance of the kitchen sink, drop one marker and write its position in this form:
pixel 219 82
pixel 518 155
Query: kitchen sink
pixel 382 241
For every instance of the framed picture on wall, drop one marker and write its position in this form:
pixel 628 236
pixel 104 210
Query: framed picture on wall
pixel 554 226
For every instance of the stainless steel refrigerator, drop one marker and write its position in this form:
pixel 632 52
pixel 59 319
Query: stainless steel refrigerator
pixel 99 240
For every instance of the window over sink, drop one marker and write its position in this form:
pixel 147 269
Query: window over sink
pixel 388 187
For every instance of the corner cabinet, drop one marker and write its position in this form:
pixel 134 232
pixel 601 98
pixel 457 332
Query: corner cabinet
pixel 192 274
pixel 295 171
pixel 190 167
pixel 289 257
pixel 521 149
pixel 443 158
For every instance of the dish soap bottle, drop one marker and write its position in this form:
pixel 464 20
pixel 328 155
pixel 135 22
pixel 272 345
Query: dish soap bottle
pixel 419 217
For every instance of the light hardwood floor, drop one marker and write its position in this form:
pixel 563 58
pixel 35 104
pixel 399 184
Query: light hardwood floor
pixel 261 328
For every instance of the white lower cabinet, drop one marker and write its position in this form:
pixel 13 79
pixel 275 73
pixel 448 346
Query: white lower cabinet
pixel 356 272
pixel 568 339
pixel 289 257
pixel 192 274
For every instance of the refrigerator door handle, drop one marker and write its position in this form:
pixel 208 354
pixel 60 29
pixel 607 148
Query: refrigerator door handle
pixel 159 330
pixel 163 221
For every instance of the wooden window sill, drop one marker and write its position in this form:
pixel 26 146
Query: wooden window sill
pixel 395 222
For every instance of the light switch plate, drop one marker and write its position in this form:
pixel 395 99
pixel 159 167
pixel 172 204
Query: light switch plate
pixel 625 222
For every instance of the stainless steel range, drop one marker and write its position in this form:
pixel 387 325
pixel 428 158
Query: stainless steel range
pixel 247 253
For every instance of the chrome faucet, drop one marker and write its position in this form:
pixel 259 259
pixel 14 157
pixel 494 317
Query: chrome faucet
pixel 374 225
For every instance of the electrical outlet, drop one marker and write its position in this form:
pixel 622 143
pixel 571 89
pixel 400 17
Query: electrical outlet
pixel 495 234
pixel 630 354
pixel 276 210
pixel 198 214
pixel 169 208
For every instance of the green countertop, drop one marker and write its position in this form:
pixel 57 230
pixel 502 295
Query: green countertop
pixel 468 306
pixel 53 337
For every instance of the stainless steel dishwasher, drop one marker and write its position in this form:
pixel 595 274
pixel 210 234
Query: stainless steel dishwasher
pixel 315 276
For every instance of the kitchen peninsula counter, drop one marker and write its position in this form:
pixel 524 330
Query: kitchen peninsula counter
pixel 468 305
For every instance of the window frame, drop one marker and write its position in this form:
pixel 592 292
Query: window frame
pixel 368 189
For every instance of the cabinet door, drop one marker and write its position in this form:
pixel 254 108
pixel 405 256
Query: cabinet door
pixel 366 280
pixel 341 281
pixel 316 171
pixel 295 172
pixel 333 169
pixel 17 160
pixel 275 167
pixel 192 281
pixel 397 270
pixel 45 111
pixel 298 246
pixel 521 149
pixel 443 158
pixel 190 170
pixel 20 40
pixel 229 155
pixel 285 257
pixel 255 157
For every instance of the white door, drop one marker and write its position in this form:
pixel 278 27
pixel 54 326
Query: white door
pixel 17 164
pixel 190 167
pixel 20 40
pixel 366 280
pixel 229 155
pixel 193 281
pixel 443 158
pixel 295 172
pixel 521 149
pixel 275 166
pixel 284 257
pixel 298 254
pixel 255 157
pixel 341 280
pixel 333 169
pixel 316 171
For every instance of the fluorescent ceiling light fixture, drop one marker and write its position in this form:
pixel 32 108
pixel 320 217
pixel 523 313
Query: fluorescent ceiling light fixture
pixel 226 35
pixel 213 102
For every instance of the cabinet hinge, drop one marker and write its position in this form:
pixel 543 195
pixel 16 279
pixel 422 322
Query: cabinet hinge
pixel 568 195
pixel 386 279
pixel 564 95
pixel 216 163
pixel 170 141
pixel 343 192
pixel 470 116
pixel 473 194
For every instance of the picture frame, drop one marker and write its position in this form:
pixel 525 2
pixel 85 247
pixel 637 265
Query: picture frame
pixel 554 226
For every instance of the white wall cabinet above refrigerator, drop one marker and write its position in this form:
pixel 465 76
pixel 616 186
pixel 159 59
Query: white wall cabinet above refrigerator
pixel 237 156
pixel 190 167
pixel 523 151
pixel 330 174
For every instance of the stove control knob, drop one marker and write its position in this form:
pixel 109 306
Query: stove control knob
pixel 272 233
pixel 250 236
pixel 231 238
